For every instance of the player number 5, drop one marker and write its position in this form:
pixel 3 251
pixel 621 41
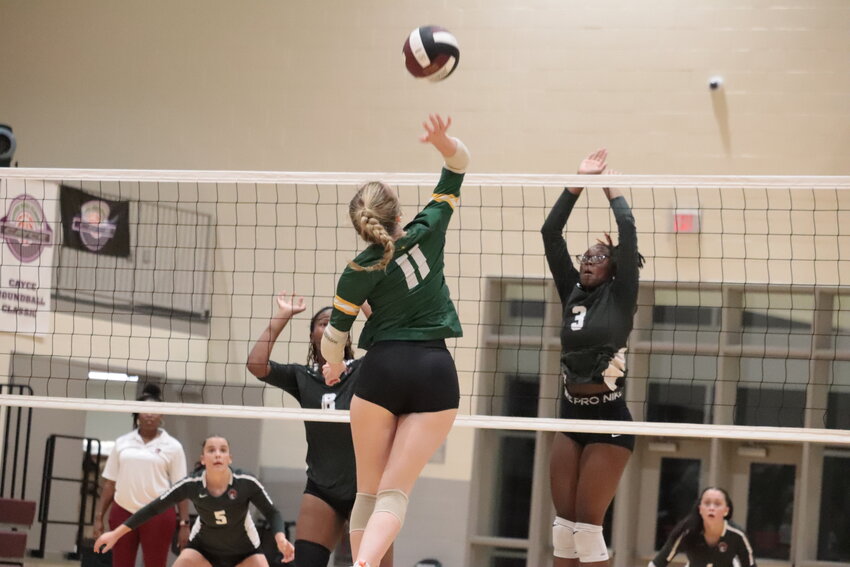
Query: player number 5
pixel 220 517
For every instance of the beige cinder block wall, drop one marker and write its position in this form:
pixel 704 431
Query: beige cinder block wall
pixel 320 85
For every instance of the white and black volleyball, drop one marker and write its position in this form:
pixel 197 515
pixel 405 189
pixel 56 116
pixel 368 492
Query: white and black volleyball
pixel 431 52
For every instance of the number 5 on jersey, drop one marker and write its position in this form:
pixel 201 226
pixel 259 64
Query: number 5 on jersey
pixel 414 265
pixel 220 517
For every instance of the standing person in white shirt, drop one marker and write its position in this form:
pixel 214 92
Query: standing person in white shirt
pixel 143 464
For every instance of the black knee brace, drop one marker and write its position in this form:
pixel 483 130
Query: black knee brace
pixel 311 554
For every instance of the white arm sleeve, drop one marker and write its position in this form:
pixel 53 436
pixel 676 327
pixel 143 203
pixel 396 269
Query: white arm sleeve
pixel 459 160
pixel 333 344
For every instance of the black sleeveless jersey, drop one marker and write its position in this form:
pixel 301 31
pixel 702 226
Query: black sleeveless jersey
pixel 330 450
pixel 223 526
pixel 596 323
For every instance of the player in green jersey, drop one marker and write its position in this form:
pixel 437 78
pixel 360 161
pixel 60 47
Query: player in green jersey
pixel 407 395
pixel 224 534
pixel 598 301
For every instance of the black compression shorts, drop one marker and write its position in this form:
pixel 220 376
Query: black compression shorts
pixel 222 560
pixel 341 506
pixel 607 406
pixel 409 377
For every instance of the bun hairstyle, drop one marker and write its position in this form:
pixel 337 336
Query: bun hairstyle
pixel 374 212
pixel 150 393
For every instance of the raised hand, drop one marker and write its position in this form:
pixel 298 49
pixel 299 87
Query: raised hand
pixel 594 164
pixel 289 306
pixel 435 134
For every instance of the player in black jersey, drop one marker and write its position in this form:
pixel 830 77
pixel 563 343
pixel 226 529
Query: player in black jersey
pixel 707 535
pixel 331 478
pixel 224 534
pixel 599 300
pixel 407 395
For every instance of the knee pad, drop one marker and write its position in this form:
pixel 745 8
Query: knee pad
pixel 364 504
pixel 311 554
pixel 562 538
pixel 393 502
pixel 590 543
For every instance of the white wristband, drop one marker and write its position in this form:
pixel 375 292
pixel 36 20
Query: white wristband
pixel 459 160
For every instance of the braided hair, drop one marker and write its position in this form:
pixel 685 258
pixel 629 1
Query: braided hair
pixel 313 352
pixel 613 252
pixel 374 211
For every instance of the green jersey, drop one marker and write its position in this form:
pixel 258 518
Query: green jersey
pixel 410 300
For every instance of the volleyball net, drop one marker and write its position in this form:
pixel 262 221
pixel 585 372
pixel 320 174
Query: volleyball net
pixel 739 359
pixel 128 277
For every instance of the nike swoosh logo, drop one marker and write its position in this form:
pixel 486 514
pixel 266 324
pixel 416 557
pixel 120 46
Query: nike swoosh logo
pixel 202 495
pixel 616 434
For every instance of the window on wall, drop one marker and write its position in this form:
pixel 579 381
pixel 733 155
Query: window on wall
pixel 838 399
pixel 521 310
pixel 678 488
pixel 834 525
pixel 772 391
pixel 686 316
pixel 770 509
pixel 512 490
pixel 514 384
pixel 680 388
pixel 778 319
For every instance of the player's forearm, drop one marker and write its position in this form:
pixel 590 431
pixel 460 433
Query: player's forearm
pixel 612 192
pixel 258 358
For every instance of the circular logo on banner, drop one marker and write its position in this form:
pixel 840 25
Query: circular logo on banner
pixel 25 229
pixel 95 227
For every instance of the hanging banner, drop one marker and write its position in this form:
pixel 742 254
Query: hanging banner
pixel 27 241
pixel 94 224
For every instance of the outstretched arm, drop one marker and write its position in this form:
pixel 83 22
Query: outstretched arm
pixel 452 149
pixel 108 540
pixel 288 305
pixel 594 164
pixel 557 254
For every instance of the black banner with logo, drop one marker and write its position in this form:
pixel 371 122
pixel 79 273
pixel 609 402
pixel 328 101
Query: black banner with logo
pixel 93 224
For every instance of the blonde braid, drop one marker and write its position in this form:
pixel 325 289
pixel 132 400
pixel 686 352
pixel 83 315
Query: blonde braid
pixel 374 210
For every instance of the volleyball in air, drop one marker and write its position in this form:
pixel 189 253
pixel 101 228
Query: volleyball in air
pixel 431 52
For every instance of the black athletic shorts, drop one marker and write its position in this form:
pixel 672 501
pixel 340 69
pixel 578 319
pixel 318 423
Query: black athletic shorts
pixel 219 559
pixel 607 406
pixel 409 377
pixel 341 506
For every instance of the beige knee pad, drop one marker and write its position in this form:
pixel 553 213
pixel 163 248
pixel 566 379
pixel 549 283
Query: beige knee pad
pixel 364 504
pixel 393 502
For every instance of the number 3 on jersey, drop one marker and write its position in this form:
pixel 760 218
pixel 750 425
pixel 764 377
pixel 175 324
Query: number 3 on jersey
pixel 579 311
pixel 411 262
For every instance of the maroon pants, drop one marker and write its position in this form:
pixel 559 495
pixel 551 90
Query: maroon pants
pixel 155 536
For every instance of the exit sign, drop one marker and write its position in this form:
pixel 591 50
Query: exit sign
pixel 686 221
